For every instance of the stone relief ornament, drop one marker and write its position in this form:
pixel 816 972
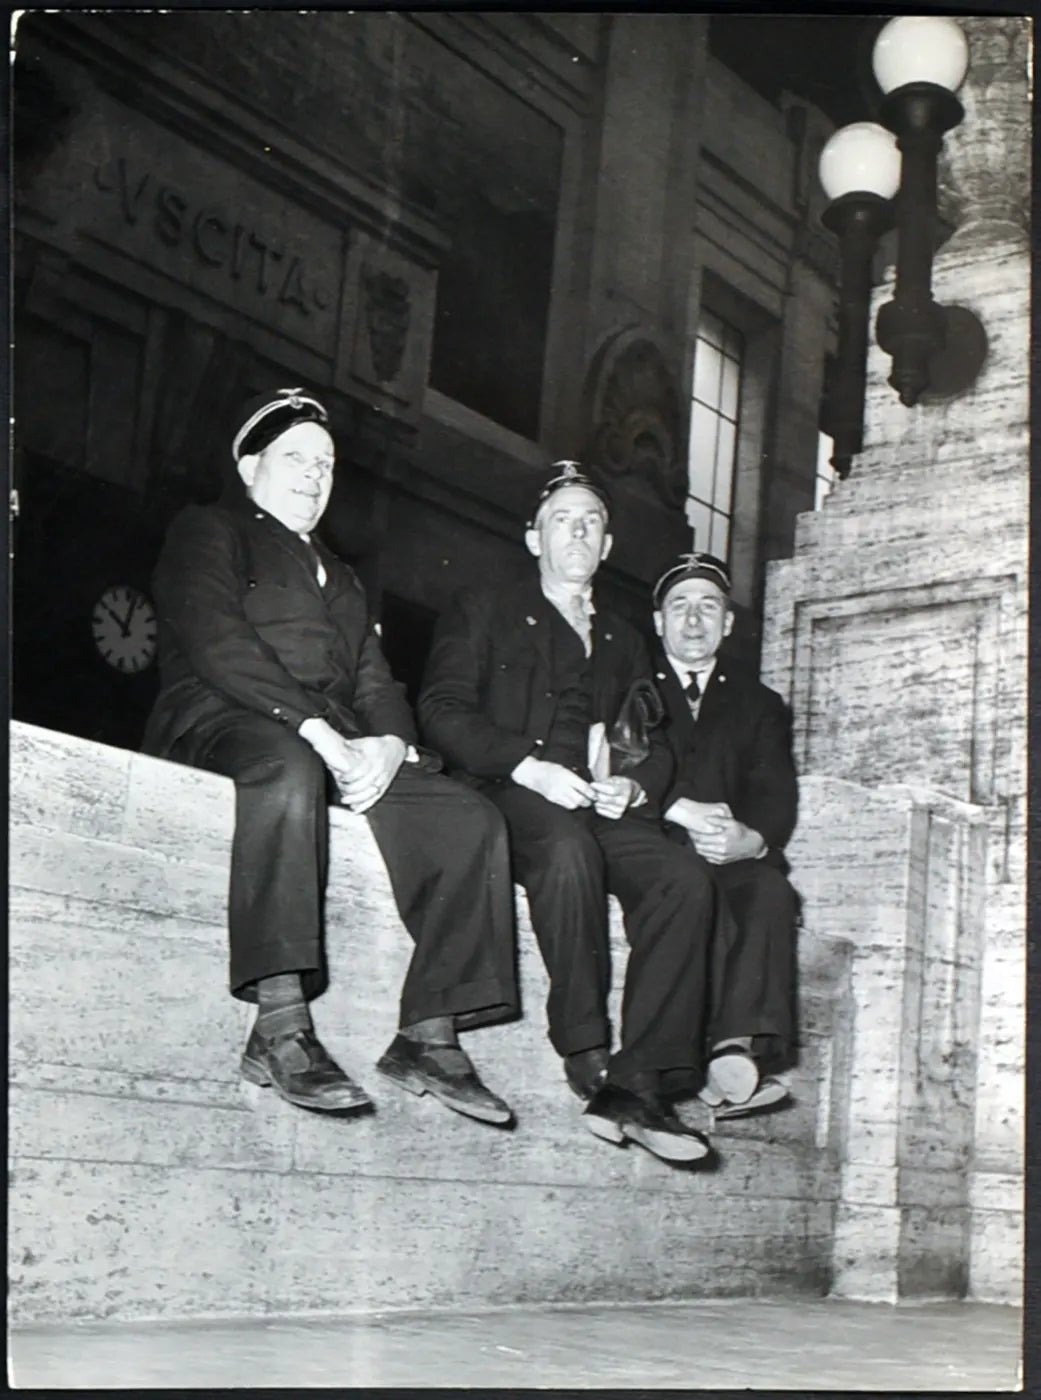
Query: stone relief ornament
pixel 388 312
pixel 635 415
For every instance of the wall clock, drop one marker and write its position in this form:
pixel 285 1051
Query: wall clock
pixel 123 627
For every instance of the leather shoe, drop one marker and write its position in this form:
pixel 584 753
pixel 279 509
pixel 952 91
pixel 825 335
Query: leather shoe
pixel 585 1071
pixel 446 1072
pixel 617 1114
pixel 771 1093
pixel 299 1068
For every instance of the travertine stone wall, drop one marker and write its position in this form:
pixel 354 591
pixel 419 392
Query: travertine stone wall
pixel 146 1180
pixel 898 631
pixel 901 871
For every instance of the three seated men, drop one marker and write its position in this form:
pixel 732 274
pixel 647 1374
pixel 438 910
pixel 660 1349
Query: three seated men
pixel 541 701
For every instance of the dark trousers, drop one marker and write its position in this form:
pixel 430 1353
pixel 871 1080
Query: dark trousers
pixel 444 846
pixel 568 862
pixel 753 958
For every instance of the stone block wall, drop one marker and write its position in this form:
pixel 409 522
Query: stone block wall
pixel 898 631
pixel 147 1180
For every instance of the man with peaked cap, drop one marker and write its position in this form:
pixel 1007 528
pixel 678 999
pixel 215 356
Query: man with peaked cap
pixel 735 796
pixel 271 673
pixel 540 698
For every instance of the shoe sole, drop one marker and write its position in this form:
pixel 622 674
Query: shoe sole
pixel 668 1146
pixel 771 1096
pixel 605 1128
pixel 416 1082
pixel 346 1101
pixel 734 1077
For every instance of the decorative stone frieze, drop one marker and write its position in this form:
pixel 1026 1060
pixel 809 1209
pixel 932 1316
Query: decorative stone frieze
pixel 634 413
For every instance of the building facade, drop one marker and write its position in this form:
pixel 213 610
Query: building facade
pixel 488 240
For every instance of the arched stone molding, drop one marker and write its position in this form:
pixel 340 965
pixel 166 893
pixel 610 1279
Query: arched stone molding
pixel 634 413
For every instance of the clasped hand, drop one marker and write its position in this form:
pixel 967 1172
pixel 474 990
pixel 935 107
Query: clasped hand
pixel 609 797
pixel 714 833
pixel 362 768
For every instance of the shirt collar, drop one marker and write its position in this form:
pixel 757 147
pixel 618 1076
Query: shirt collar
pixel 684 673
pixel 563 599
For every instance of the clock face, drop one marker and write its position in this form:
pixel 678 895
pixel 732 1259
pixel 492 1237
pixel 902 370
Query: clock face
pixel 123 626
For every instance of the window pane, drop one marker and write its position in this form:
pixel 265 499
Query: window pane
pixel 707 362
pixel 720 535
pixel 722 493
pixel 733 343
pixel 729 390
pixel 700 518
pixel 825 447
pixel 711 327
pixel 702 450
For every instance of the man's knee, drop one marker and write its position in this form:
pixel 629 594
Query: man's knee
pixel 683 866
pixel 471 817
pixel 288 771
pixel 767 889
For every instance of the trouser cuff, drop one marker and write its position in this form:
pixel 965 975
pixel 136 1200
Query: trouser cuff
pixel 586 1036
pixel 471 1003
pixel 268 960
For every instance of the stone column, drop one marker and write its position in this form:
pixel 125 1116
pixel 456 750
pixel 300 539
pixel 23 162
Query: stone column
pixel 898 631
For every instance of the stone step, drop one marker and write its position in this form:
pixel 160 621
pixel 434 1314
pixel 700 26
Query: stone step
pixel 148 1180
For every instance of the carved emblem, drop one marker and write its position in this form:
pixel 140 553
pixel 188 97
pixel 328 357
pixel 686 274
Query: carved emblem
pixel 388 311
pixel 635 415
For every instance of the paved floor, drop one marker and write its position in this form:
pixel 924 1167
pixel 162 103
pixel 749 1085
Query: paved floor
pixel 797 1344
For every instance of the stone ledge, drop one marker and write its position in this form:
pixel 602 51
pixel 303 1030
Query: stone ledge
pixel 148 1181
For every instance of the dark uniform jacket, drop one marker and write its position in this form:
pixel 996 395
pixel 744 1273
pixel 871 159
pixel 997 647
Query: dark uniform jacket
pixel 739 750
pixel 488 697
pixel 244 623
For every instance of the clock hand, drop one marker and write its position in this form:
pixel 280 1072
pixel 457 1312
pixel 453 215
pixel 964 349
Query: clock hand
pixel 114 616
pixel 130 613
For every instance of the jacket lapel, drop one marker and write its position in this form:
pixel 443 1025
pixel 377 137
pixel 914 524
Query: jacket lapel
pixel 534 613
pixel 681 720
pixel 290 544
pixel 713 702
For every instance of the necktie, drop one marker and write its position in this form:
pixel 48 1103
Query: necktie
pixel 579 619
pixel 693 693
pixel 316 560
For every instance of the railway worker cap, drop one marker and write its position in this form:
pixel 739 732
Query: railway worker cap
pixel 568 473
pixel 694 565
pixel 267 416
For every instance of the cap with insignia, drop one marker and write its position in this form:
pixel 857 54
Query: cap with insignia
pixel 695 565
pixel 567 473
pixel 268 415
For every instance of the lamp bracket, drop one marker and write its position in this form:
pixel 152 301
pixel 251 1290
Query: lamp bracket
pixel 938 351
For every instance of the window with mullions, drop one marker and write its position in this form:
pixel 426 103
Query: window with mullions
pixel 718 356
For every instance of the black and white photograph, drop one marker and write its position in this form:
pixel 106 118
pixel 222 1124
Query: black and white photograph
pixel 518 738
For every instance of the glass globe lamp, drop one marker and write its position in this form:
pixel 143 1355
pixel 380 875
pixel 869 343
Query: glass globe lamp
pixel 921 49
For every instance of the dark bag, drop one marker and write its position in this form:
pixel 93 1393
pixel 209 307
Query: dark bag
pixel 629 738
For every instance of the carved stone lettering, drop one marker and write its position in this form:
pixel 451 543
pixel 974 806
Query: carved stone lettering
pixel 243 252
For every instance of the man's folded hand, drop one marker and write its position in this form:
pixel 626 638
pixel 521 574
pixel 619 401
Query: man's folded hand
pixel 554 782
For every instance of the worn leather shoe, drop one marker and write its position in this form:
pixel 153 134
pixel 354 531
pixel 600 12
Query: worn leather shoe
pixel 617 1114
pixel 299 1068
pixel 770 1093
pixel 446 1072
pixel 585 1071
